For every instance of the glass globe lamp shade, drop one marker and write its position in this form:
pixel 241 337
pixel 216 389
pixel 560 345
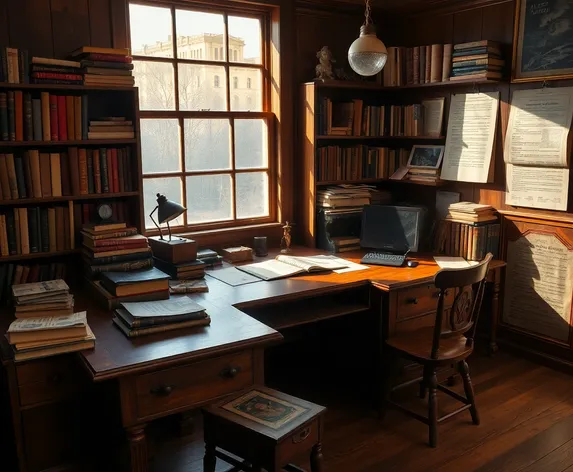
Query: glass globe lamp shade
pixel 367 55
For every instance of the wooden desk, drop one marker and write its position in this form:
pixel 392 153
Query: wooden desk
pixel 172 372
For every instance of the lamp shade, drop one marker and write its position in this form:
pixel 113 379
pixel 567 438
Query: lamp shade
pixel 367 55
pixel 167 210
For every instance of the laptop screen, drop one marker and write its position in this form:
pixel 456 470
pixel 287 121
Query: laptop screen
pixel 391 228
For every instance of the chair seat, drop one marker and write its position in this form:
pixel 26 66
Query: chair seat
pixel 418 345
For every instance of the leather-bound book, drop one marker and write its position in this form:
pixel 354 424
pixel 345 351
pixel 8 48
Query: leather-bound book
pixel 54 130
pixel 60 233
pixel 78 117
pixel 4 178
pixel 416 64
pixel 97 171
pixel 104 171
pixel 83 167
pixel 52 229
pixel 33 230
pixel 70 120
pixel 44 230
pixel 11 116
pixel 447 63
pixel 427 73
pixel 56 174
pixel 65 174
pixel 37 118
pixel 20 176
pixel 19 115
pixel 437 63
pixel 46 129
pixel 73 158
pixel 45 175
pixel 28 118
pixel 62 119
pixel 90 165
pixel 4 135
pixel 34 158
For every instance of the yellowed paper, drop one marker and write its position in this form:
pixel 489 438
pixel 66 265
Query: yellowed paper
pixel 537 187
pixel 539 123
pixel 539 286
pixel 433 116
pixel 48 322
pixel 471 132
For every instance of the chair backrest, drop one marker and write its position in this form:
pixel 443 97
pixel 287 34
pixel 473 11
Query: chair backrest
pixel 462 318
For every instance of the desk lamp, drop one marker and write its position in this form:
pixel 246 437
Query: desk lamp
pixel 175 250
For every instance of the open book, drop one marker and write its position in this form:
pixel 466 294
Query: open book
pixel 285 266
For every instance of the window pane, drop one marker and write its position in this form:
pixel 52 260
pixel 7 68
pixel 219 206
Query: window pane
pixel 156 85
pixel 245 40
pixel 160 146
pixel 150 31
pixel 209 198
pixel 207 145
pixel 203 32
pixel 171 188
pixel 202 87
pixel 252 194
pixel 251 149
pixel 247 96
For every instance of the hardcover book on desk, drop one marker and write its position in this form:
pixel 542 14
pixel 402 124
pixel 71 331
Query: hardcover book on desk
pixel 135 283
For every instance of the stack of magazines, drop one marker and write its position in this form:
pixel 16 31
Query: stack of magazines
pixel 50 298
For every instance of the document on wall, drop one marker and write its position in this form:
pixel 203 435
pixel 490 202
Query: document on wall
pixel 539 123
pixel 536 148
pixel 539 285
pixel 471 134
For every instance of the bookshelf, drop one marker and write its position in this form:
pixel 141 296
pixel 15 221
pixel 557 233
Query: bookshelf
pixel 78 193
pixel 375 86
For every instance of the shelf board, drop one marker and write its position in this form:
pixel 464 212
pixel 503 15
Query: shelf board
pixel 86 88
pixel 380 181
pixel 380 138
pixel 341 84
pixel 83 142
pixel 68 198
pixel 37 255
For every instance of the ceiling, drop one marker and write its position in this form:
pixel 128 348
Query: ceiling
pixel 400 5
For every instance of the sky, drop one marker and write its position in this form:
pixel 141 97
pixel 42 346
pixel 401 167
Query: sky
pixel 151 24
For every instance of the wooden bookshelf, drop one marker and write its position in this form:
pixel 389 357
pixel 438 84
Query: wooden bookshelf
pixel 380 138
pixel 37 255
pixel 48 87
pixel 88 142
pixel 323 183
pixel 67 198
pixel 341 84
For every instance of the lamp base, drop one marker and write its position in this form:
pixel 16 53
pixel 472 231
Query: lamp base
pixel 177 250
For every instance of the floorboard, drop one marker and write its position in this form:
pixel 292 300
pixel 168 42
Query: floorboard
pixel 527 426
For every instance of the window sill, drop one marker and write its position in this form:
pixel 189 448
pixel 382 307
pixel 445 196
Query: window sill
pixel 238 235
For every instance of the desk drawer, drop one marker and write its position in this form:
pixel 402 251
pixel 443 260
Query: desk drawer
pixel 193 384
pixel 46 380
pixel 417 301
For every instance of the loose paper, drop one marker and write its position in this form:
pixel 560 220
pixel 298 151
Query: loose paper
pixel 449 262
pixel 537 187
pixel 471 133
pixel 539 285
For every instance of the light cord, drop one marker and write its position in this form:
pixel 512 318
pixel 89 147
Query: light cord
pixel 367 13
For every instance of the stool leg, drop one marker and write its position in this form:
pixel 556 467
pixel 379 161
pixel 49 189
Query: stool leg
pixel 210 459
pixel 316 458
pixel 469 389
pixel 433 409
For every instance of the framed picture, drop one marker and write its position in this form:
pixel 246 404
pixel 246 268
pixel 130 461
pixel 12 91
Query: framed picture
pixel 426 156
pixel 543 40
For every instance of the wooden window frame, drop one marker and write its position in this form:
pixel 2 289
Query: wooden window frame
pixel 264 16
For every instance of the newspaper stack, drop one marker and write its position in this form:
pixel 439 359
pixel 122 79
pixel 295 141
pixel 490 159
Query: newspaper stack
pixel 51 298
pixel 32 338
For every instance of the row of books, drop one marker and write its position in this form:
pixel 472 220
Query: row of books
pixel 14 65
pixel 32 174
pixel 417 65
pixel 358 162
pixel 477 60
pixel 110 67
pixel 36 230
pixel 43 117
pixel 471 241
pixel 16 274
pixel 114 247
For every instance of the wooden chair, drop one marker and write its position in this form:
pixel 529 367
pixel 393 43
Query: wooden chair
pixel 449 342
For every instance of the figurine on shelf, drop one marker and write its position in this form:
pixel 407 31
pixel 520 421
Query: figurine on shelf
pixel 286 239
pixel 324 66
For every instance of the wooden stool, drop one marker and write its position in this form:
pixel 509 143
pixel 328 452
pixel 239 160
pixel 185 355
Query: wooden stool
pixel 265 428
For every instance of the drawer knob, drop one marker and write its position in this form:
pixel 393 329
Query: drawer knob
pixel 163 390
pixel 230 372
pixel 412 300
pixel 305 433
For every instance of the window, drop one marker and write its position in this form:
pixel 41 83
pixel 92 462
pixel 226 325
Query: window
pixel 198 146
pixel 248 82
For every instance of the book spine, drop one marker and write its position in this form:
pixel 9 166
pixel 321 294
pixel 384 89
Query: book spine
pixel 4 251
pixel 121 267
pixel 55 172
pixel 62 118
pixel 45 175
pixel 37 119
pixel 54 118
pixel 70 122
pixel 78 117
pixel 83 169
pixel 416 65
pixel 65 173
pixel 56 75
pixel 52 229
pixel 115 171
pixel 45 230
pixel 4 132
pixel 20 178
pixel 10 64
pixel 11 233
pixel 19 115
pixel 17 227
pixel 46 131
pixel 97 171
pixel 4 65
pixel 121 169
pixel 436 63
pixel 427 72
pixel 28 174
pixel 11 116
pixel 33 229
pixel 24 231
pixel 108 57
pixel 56 81
pixel 90 166
pixel 84 120
pixel 28 133
pixel 109 169
pixel 73 158
pixel 447 62
pixel 60 232
pixel 104 170
pixel 23 66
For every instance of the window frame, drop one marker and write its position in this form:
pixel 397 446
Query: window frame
pixel 264 16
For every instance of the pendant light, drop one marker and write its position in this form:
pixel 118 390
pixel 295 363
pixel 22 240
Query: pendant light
pixel 367 55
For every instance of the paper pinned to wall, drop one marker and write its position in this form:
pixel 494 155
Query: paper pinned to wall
pixel 471 134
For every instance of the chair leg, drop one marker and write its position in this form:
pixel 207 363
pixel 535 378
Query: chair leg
pixel 316 458
pixel 432 383
pixel 469 389
pixel 210 459
pixel 424 383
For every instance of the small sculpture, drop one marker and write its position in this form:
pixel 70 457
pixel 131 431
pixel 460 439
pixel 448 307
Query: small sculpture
pixel 286 239
pixel 324 66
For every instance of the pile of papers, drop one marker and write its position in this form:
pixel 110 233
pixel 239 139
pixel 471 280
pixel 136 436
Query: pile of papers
pixel 351 196
pixel 50 298
pixel 468 212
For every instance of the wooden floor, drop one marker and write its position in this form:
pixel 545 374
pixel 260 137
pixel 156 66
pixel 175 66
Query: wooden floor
pixel 526 425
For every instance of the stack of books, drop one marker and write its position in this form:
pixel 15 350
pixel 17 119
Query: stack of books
pixel 14 65
pixel 477 60
pixel 352 196
pixel 209 257
pixel 114 247
pixel 423 174
pixel 237 254
pixel 182 270
pixel 105 66
pixel 417 65
pixel 56 71
pixel 345 243
pixel 111 127
pixel 141 318
pixel 16 274
pixel 469 212
pixel 44 336
pixel 51 298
